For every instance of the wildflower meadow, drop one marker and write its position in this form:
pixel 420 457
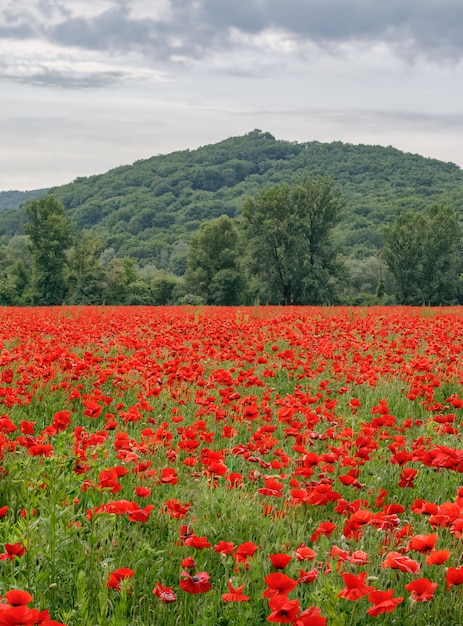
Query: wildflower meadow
pixel 231 466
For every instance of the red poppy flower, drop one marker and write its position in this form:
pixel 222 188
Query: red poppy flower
pixel 199 583
pixel 197 542
pixel 142 492
pixel 165 594
pixel 117 576
pixel 61 420
pixel 311 617
pixel 421 589
pixel 27 428
pixel 12 550
pixel 108 479
pixel 395 560
pixel 92 408
pixel 337 553
pixel 457 528
pixel 234 479
pixel 271 488
pixel 17 597
pixel 168 476
pixel 18 615
pixel 177 509
pixel 323 529
pixel 280 561
pixel 234 595
pixel 224 547
pixel 278 584
pixel 307 577
pixel 437 557
pixel 424 507
pixel 383 601
pixel 6 425
pixel 407 476
pixel 303 553
pixel 284 610
pixel 41 449
pixel 359 557
pixel 244 551
pixel 422 543
pixel 141 515
pixel 454 576
pixel 355 586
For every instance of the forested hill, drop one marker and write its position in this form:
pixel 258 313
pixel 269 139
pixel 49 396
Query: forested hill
pixel 149 209
pixel 10 200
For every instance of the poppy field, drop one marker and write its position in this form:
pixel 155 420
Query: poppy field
pixel 231 466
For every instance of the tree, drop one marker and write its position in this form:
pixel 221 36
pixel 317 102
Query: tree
pixel 162 288
pixel 87 279
pixel 15 272
pixel 214 271
pixel 288 231
pixel 442 256
pixel 421 251
pixel 125 285
pixel 403 253
pixel 50 234
pixel 369 281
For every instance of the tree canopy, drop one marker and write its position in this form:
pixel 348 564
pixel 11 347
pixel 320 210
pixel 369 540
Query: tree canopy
pixel 214 272
pixel 288 229
pixel 147 209
pixel 423 254
pixel 51 234
pixel 137 236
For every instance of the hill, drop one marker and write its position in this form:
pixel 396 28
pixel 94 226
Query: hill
pixel 148 210
pixel 10 200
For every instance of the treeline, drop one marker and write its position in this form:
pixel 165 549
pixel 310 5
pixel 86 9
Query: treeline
pixel 149 210
pixel 281 249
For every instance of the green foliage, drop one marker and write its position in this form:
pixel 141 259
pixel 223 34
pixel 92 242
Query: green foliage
pixel 16 269
pixel 421 251
pixel 86 277
pixel 149 212
pixel 214 271
pixel 10 200
pixel 125 286
pixel 369 282
pixel 288 230
pixel 51 234
pixel 143 210
pixel 162 288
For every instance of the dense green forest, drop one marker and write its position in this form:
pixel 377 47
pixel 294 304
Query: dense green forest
pixel 148 215
pixel 10 200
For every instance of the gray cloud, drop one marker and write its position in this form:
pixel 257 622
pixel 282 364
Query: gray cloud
pixel 426 25
pixel 112 30
pixel 195 28
pixel 67 80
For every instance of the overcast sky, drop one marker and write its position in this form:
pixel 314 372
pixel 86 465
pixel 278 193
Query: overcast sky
pixel 87 85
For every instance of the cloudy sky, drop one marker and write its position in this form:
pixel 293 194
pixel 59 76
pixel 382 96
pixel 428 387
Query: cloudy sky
pixel 87 85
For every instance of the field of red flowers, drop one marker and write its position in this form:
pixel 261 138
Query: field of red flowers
pixel 219 466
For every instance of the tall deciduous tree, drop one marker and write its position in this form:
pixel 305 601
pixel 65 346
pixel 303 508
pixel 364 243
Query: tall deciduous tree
pixel 288 230
pixel 51 234
pixel 403 253
pixel 87 279
pixel 442 257
pixel 422 252
pixel 214 271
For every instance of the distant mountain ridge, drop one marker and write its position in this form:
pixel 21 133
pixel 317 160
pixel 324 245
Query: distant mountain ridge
pixel 10 200
pixel 149 209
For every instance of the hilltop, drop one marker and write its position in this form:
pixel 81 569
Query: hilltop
pixel 149 209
